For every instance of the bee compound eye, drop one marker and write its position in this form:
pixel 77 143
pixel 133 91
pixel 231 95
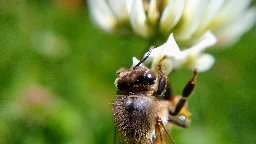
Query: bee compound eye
pixel 150 76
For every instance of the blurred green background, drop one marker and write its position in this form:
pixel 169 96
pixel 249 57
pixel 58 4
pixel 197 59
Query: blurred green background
pixel 57 73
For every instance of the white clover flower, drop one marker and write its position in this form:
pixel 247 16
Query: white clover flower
pixel 142 15
pixel 187 19
pixel 192 57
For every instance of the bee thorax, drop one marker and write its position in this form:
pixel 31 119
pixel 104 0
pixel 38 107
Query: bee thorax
pixel 134 118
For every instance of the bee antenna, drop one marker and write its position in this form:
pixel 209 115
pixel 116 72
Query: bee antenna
pixel 145 58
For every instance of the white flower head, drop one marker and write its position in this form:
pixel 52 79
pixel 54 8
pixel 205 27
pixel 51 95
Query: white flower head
pixel 170 57
pixel 187 19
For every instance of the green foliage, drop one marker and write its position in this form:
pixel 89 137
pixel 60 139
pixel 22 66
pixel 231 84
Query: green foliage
pixel 57 72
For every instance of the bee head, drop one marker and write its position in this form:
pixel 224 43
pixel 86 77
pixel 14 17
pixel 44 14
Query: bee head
pixel 136 80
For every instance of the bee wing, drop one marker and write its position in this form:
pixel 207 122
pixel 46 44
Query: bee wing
pixel 160 140
pixel 161 133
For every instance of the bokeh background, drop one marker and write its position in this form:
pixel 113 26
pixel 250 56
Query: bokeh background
pixel 57 73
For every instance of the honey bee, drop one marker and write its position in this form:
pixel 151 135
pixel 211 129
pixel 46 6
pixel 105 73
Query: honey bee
pixel 144 107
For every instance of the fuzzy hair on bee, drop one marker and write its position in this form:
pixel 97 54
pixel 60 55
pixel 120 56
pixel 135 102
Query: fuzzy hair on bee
pixel 144 106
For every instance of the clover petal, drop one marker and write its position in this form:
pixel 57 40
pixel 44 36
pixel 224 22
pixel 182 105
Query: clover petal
pixel 138 19
pixel 171 15
pixel 193 57
pixel 102 14
pixel 203 62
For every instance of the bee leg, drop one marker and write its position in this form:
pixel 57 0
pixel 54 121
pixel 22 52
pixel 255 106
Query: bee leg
pixel 178 123
pixel 190 85
pixel 168 92
pixel 186 92
pixel 162 84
